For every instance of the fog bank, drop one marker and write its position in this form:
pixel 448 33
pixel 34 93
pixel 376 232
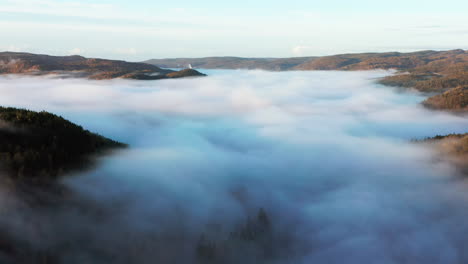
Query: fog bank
pixel 325 154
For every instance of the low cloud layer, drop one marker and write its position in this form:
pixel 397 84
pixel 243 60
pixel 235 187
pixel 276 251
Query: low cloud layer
pixel 325 154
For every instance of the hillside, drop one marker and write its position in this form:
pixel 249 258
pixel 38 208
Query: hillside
pixel 453 148
pixel 40 145
pixel 77 66
pixel 454 99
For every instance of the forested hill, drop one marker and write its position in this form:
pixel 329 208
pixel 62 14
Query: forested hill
pixel 41 145
pixel 455 99
pixel 78 66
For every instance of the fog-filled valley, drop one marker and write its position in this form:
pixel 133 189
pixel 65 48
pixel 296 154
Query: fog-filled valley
pixel 245 167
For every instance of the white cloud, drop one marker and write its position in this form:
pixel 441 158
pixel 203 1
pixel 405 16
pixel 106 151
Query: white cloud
pixel 61 8
pixel 76 51
pixel 126 51
pixel 302 50
pixel 13 48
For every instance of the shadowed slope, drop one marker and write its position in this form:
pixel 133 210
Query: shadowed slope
pixel 42 145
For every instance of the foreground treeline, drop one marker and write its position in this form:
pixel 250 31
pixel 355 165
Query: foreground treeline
pixel 44 145
pixel 256 240
pixel 253 239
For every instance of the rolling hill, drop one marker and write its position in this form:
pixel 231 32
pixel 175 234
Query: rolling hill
pixel 455 99
pixel 78 66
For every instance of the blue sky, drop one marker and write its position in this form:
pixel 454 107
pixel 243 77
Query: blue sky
pixel 138 30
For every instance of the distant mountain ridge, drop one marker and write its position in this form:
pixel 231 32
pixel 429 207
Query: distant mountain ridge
pixel 78 66
pixel 271 64
pixel 358 61
pixel 426 71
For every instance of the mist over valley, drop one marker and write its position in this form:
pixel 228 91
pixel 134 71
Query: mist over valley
pixel 243 167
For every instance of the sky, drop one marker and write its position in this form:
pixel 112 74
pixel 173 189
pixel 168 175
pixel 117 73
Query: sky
pixel 145 29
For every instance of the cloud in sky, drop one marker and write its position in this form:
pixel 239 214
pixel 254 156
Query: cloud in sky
pixel 13 48
pixel 126 51
pixel 304 50
pixel 76 51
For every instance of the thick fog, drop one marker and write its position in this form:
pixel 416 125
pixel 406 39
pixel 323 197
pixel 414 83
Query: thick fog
pixel 327 155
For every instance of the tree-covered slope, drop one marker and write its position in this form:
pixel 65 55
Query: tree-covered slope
pixel 454 99
pixel 42 145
